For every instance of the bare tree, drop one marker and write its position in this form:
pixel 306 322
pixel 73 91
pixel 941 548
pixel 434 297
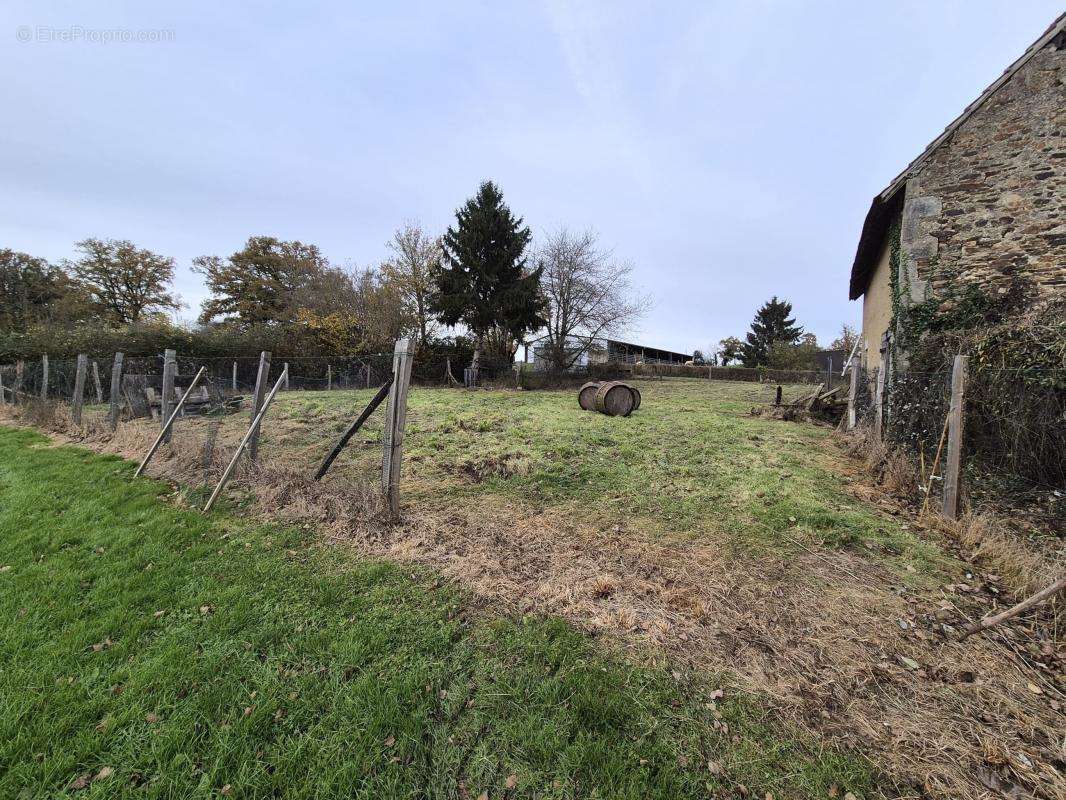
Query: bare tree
pixel 588 292
pixel 415 255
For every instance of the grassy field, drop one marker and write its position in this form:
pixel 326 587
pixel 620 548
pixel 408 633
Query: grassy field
pixel 147 651
pixel 692 462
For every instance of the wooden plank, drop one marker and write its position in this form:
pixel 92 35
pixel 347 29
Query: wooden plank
pixel 355 426
pixel 116 391
pixel 853 392
pixel 257 400
pixel 252 429
pixel 78 400
pixel 395 422
pixel 44 376
pixel 953 461
pixel 170 372
pixel 879 393
pixel 169 423
pixel 96 383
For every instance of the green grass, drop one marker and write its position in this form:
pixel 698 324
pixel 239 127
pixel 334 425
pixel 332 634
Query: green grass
pixel 691 462
pixel 190 654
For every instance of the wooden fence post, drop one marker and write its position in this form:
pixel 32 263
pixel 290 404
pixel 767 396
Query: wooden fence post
pixel 2 395
pixel 853 391
pixel 257 401
pixel 329 377
pixel 879 400
pixel 20 367
pixel 395 421
pixel 234 383
pixel 96 383
pixel 953 464
pixel 79 388
pixel 44 376
pixel 285 372
pixel 253 429
pixel 170 371
pixel 116 390
pixel 169 422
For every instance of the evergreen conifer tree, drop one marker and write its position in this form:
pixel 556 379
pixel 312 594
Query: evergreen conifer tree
pixel 483 282
pixel 771 325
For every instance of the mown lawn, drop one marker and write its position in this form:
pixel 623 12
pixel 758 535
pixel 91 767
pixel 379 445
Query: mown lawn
pixel 147 651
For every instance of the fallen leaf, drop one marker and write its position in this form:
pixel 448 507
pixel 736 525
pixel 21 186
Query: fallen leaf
pixel 151 718
pixel 80 782
pixel 104 774
pixel 206 609
pixel 483 796
pixel 1035 689
pixel 5 568
pixel 158 614
pixel 512 781
pixel 850 796
pixel 390 741
pixel 248 710
pixel 226 791
pixel 909 663
pixel 716 694
pixel 714 767
pixel 833 790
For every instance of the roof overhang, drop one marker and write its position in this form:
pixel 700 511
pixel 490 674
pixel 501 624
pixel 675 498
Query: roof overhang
pixel 890 201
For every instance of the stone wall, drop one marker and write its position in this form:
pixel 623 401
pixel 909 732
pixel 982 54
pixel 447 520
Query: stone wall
pixel 990 202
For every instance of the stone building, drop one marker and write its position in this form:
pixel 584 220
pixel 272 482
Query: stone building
pixel 985 201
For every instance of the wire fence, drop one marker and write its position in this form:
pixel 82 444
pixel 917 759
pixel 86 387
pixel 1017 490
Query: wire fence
pixel 1012 432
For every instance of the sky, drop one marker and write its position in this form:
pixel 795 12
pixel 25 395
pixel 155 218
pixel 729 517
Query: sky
pixel 727 150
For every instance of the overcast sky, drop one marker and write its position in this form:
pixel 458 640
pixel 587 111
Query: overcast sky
pixel 728 150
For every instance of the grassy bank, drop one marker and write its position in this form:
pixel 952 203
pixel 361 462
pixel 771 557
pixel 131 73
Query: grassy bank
pixel 147 651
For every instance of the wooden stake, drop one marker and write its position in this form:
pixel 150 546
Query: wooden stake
pixel 257 400
pixel 395 421
pixel 169 423
pixel 96 383
pixel 252 429
pixel 853 392
pixel 79 388
pixel 355 426
pixel 44 376
pixel 987 622
pixel 953 462
pixel 116 390
pixel 879 396
pixel 166 403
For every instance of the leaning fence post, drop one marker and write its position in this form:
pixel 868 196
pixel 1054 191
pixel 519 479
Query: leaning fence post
pixel 44 376
pixel 170 370
pixel 955 422
pixel 116 390
pixel 96 383
pixel 79 388
pixel 395 421
pixel 252 429
pixel 169 422
pixel 257 401
pixel 853 390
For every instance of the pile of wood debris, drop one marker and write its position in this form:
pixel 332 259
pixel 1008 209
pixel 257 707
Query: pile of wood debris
pixel 821 405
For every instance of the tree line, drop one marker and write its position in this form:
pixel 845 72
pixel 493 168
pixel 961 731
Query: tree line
pixel 775 341
pixel 484 276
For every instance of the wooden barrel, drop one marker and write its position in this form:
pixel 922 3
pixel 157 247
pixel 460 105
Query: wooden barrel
pixel 586 396
pixel 636 396
pixel 615 399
